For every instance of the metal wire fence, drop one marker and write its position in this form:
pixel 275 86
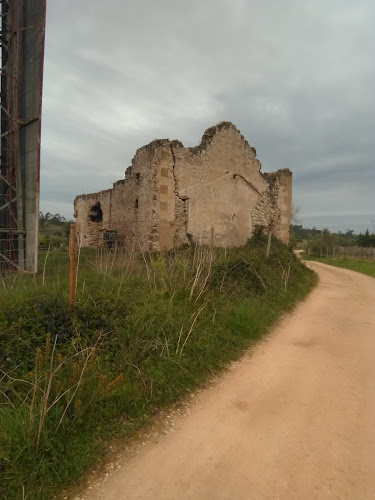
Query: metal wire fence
pixel 367 253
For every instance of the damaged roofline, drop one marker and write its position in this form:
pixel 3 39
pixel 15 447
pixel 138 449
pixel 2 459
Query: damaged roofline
pixel 172 195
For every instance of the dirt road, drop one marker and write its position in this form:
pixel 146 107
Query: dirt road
pixel 293 420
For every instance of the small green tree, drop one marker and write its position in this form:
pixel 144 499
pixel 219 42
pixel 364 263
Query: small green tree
pixel 366 240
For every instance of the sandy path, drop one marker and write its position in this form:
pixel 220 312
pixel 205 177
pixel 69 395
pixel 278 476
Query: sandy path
pixel 294 420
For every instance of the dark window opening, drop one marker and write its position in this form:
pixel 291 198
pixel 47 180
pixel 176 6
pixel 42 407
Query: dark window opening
pixel 96 213
pixel 137 177
pixel 110 238
pixel 136 203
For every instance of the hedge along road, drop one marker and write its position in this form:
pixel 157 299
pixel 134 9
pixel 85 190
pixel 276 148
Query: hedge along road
pixel 294 419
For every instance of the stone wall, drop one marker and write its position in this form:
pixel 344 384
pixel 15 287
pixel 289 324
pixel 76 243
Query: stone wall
pixel 172 195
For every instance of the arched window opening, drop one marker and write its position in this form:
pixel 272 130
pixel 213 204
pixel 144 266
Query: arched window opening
pixel 96 213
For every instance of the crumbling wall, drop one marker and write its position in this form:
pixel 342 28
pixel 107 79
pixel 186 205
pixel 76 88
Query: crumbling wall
pixel 172 195
pixel 220 182
pixel 284 204
pixel 273 209
pixel 89 231
pixel 126 208
pixel 132 206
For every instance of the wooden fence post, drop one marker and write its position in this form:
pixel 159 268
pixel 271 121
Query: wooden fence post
pixel 269 244
pixel 211 256
pixel 73 266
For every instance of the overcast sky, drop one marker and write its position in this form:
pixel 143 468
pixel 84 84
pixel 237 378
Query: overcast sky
pixel 296 77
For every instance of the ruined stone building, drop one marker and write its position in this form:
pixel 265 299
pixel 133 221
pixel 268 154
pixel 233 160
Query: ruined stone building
pixel 172 195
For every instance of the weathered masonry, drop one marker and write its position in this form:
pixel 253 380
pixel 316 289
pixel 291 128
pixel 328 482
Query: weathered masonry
pixel 172 195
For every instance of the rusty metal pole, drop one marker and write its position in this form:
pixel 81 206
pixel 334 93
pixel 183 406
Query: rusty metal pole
pixel 73 266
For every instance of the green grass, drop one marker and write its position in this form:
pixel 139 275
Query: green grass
pixel 355 264
pixel 144 331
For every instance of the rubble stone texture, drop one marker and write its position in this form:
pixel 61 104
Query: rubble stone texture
pixel 172 195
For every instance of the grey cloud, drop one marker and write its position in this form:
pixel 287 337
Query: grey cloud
pixel 296 77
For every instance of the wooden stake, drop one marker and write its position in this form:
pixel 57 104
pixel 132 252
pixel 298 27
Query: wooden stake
pixel 212 240
pixel 211 256
pixel 73 266
pixel 269 244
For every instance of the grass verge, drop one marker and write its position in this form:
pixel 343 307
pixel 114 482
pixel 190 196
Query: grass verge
pixel 145 330
pixel 360 265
